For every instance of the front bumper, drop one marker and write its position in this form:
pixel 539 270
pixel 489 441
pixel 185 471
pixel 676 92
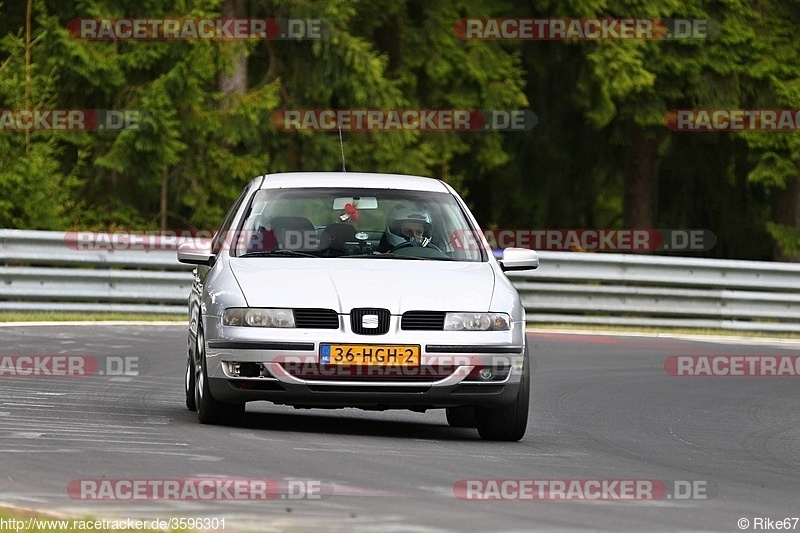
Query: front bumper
pixel 282 366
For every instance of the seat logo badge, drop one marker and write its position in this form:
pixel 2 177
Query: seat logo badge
pixel 369 321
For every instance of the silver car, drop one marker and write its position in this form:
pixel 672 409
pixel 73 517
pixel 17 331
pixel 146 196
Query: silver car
pixel 374 291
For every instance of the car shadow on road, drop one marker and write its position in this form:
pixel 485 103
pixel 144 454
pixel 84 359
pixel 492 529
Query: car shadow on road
pixel 320 423
pixel 335 423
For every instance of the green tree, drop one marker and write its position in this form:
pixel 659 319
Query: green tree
pixel 774 82
pixel 35 191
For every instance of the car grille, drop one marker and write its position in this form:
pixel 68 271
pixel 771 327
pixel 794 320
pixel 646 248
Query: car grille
pixel 423 320
pixel 316 318
pixel 356 316
pixel 366 374
pixel 369 389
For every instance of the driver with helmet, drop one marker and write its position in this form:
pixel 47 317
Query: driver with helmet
pixel 406 223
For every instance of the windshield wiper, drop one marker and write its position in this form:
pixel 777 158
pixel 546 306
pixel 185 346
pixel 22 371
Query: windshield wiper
pixel 276 253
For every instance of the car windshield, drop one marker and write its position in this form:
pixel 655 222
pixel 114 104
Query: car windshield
pixel 358 224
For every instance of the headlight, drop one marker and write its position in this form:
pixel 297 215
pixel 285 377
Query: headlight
pixel 476 322
pixel 258 318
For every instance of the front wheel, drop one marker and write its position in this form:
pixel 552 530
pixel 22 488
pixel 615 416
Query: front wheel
pixel 210 410
pixel 189 380
pixel 507 422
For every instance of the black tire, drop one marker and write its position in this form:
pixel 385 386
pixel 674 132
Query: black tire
pixel 461 417
pixel 210 410
pixel 189 379
pixel 507 422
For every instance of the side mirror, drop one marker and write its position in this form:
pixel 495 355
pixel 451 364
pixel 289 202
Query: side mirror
pixel 518 259
pixel 196 254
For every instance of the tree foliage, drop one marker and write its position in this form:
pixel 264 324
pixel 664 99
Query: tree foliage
pixel 600 155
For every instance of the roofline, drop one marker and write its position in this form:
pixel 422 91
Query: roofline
pixel 352 179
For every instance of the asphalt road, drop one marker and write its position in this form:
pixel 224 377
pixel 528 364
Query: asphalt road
pixel 603 408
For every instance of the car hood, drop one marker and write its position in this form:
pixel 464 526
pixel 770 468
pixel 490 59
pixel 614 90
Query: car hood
pixel 344 284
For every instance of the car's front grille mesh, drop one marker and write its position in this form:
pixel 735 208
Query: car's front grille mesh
pixel 423 320
pixel 357 321
pixel 316 318
pixel 368 374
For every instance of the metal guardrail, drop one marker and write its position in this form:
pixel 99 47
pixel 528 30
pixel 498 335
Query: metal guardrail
pixel 47 271
pixel 53 271
pixel 659 291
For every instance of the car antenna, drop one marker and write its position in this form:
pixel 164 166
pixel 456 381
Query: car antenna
pixel 341 144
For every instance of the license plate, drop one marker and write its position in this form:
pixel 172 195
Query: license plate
pixel 369 354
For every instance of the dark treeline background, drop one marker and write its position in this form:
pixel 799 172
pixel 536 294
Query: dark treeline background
pixel 599 157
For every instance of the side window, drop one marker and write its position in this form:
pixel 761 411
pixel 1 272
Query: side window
pixel 224 229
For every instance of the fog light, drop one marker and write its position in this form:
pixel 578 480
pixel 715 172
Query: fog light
pixel 264 371
pixel 486 374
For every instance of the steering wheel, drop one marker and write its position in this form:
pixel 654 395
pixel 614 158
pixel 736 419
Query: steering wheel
pixel 408 244
pixel 404 244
